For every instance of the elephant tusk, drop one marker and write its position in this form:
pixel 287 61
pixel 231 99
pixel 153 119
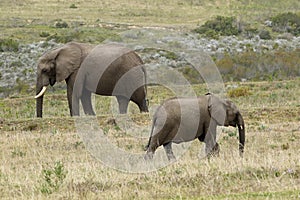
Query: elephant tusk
pixel 41 92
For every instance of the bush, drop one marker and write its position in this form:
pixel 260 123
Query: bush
pixel 73 6
pixel 250 31
pixel 63 38
pixel 191 74
pixel 9 45
pixel 286 22
pixel 256 66
pixel 224 26
pixel 225 65
pixel 95 35
pixel 265 35
pixel 44 34
pixel 61 24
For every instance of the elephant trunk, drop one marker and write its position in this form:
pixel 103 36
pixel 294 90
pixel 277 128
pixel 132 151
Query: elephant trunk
pixel 39 101
pixel 241 127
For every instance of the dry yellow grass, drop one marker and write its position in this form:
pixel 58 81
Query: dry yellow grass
pixel 46 159
pixel 147 13
pixel 270 168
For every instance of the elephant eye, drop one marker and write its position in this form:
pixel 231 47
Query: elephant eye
pixel 44 70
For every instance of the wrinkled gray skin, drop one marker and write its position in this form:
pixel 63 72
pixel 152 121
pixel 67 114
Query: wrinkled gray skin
pixel 81 63
pixel 179 120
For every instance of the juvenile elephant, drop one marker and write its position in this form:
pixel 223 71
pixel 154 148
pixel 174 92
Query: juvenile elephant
pixel 93 69
pixel 185 119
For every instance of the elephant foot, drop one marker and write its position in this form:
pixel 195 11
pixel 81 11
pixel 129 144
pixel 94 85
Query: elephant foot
pixel 215 152
pixel 91 113
pixel 171 157
pixel 148 156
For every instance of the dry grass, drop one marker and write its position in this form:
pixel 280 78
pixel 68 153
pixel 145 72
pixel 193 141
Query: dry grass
pixel 31 147
pixel 145 12
pixel 46 159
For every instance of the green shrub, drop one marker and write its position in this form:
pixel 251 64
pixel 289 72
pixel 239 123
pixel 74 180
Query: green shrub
pixel 95 35
pixel 169 55
pixel 250 31
pixel 252 65
pixel 44 34
pixel 211 34
pixel 265 35
pixel 21 87
pixel 191 74
pixel 9 45
pixel 287 22
pixel 224 26
pixel 73 6
pixel 53 178
pixel 225 65
pixel 61 24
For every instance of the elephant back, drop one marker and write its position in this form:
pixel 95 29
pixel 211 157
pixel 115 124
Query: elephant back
pixel 105 65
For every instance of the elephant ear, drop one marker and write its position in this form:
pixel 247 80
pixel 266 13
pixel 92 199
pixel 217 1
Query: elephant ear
pixel 231 110
pixel 51 55
pixel 68 60
pixel 217 109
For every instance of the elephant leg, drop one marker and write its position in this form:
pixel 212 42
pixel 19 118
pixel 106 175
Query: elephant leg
pixel 210 139
pixel 87 102
pixel 123 104
pixel 169 151
pixel 70 98
pixel 73 98
pixel 74 108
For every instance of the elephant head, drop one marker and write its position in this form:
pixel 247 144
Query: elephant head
pixel 225 113
pixel 57 65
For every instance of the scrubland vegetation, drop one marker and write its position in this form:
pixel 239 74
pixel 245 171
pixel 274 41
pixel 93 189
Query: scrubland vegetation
pixel 46 158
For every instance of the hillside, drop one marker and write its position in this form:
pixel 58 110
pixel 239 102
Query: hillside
pixel 27 19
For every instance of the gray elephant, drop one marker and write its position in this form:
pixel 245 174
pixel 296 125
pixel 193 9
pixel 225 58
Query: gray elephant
pixel 185 119
pixel 93 69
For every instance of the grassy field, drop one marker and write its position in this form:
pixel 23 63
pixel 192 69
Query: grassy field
pixel 144 12
pixel 46 159
pixel 31 20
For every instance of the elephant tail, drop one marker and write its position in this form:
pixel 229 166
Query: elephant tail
pixel 151 133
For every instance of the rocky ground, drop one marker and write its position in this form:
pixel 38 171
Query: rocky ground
pixel 20 67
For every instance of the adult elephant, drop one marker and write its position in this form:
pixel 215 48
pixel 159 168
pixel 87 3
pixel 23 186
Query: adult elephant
pixel 185 119
pixel 93 69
